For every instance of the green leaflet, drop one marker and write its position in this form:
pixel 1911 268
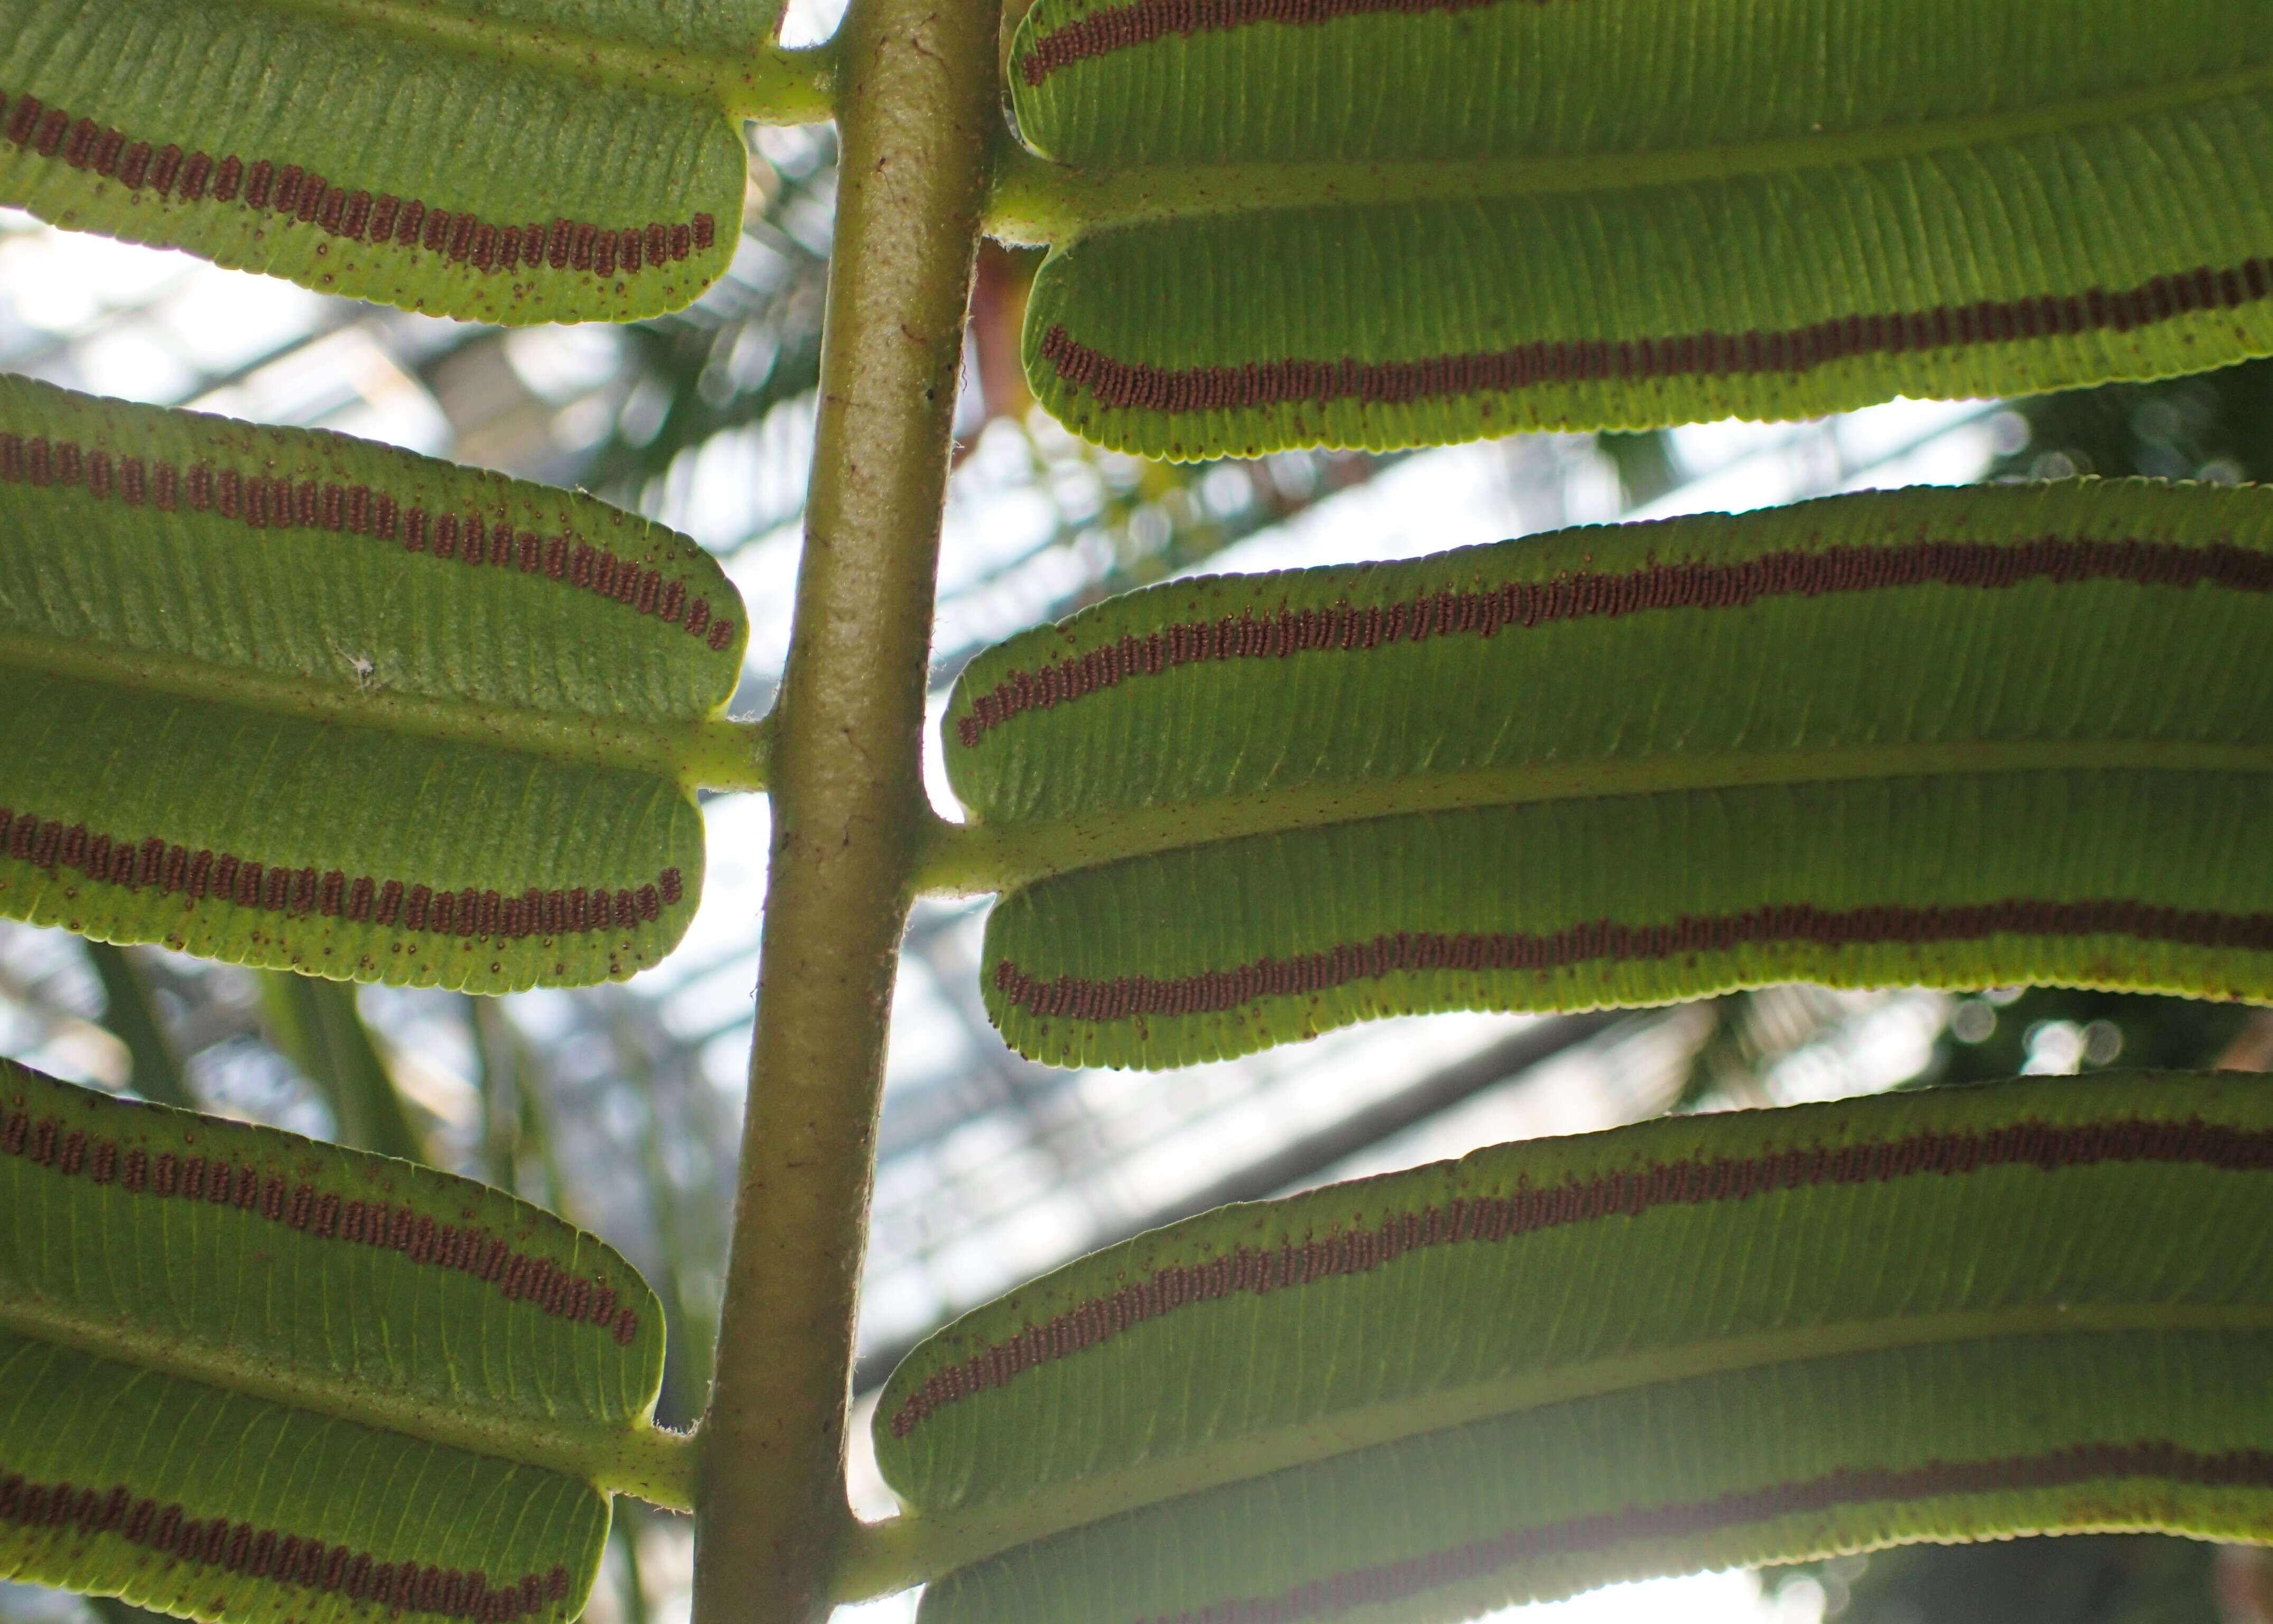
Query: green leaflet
pixel 2034 1306
pixel 1401 227
pixel 287 698
pixel 245 1376
pixel 1955 736
pixel 1453 1524
pixel 210 1489
pixel 540 161
pixel 1153 81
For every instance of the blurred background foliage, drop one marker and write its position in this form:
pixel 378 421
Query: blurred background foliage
pixel 619 1106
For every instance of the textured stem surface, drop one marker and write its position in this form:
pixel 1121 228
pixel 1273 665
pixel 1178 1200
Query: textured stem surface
pixel 917 100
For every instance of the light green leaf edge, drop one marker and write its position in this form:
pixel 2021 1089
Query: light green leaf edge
pixel 1962 1313
pixel 1402 229
pixel 208 1348
pixel 566 159
pixel 1844 778
pixel 309 694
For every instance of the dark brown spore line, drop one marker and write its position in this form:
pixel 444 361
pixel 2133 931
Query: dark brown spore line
pixel 1129 997
pixel 355 215
pixel 1122 27
pixel 518 1275
pixel 1336 1594
pixel 1593 595
pixel 1133 385
pixel 1259 1271
pixel 203 875
pixel 261 501
pixel 280 1558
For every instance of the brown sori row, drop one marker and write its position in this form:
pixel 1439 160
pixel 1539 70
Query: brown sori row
pixel 1488 1219
pixel 282 1558
pixel 358 217
pixel 1128 996
pixel 1593 595
pixel 1119 27
pixel 265 503
pixel 50 844
pixel 1143 387
pixel 1353 1587
pixel 519 1276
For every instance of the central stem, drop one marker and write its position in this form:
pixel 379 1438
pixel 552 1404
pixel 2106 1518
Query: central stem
pixel 916 106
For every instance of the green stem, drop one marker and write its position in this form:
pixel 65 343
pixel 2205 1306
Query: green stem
pixel 1034 200
pixel 318 1024
pixel 917 103
pixel 782 86
pixel 968 859
pixel 709 753
pixel 885 1557
pixel 771 86
pixel 132 1018
pixel 625 1533
pixel 500 1077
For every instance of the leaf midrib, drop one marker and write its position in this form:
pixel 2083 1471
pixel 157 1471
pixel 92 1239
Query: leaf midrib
pixel 1035 199
pixel 910 1549
pixel 632 1456
pixel 707 752
pixel 771 83
pixel 974 858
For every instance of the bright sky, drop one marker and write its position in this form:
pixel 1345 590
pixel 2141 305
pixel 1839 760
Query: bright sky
pixel 1702 1598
